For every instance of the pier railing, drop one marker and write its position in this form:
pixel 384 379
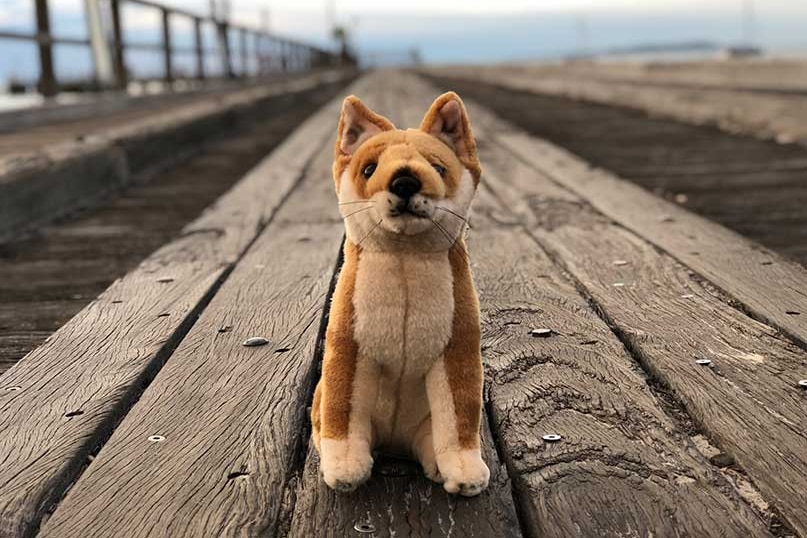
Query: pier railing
pixel 269 53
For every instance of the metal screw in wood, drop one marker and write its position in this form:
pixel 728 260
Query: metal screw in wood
pixel 364 528
pixel 14 388
pixel 255 341
pixel 551 438
pixel 156 438
pixel 803 383
pixel 541 333
pixel 703 362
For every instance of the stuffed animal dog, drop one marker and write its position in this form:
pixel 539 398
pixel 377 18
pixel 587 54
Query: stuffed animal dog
pixel 402 370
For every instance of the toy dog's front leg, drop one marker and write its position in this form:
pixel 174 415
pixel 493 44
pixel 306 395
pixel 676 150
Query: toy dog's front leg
pixel 454 389
pixel 455 430
pixel 345 397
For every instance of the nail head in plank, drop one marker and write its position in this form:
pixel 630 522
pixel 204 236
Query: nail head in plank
pixel 255 341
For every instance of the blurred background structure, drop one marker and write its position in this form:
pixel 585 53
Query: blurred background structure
pixel 103 43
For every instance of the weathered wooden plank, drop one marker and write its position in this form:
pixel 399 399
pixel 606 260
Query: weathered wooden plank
pixel 400 501
pixel 773 289
pixel 623 467
pixel 231 415
pixel 98 363
pixel 747 401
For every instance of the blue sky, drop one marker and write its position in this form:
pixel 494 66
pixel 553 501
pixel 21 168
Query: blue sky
pixel 444 31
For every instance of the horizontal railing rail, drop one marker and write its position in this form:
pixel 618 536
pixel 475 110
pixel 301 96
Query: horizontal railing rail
pixel 269 53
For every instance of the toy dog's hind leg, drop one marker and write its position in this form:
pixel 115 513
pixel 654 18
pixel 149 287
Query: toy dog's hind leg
pixel 454 388
pixel 346 394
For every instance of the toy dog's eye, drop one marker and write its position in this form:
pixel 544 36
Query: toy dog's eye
pixel 368 170
pixel 440 169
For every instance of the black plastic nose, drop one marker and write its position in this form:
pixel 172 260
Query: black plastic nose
pixel 405 186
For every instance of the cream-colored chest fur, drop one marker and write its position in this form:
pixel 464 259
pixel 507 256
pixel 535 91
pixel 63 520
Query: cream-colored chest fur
pixel 404 307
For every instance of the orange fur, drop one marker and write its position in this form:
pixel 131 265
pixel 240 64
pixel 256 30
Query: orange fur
pixel 463 354
pixel 339 363
pixel 463 140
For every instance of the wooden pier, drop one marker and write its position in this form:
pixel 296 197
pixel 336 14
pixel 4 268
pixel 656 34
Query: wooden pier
pixel 671 370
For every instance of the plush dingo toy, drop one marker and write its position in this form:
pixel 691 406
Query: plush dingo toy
pixel 402 371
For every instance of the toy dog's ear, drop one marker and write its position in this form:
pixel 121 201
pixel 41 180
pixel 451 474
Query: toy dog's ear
pixel 357 124
pixel 447 119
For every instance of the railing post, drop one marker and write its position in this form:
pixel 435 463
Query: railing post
pixel 257 42
pixel 47 78
pixel 244 57
pixel 284 56
pixel 169 74
pixel 199 47
pixel 121 77
pixel 224 49
pixel 274 55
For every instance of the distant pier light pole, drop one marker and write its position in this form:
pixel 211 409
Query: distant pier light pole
pixel 220 13
pixel 47 77
pixel 749 22
pixel 102 58
pixel 583 44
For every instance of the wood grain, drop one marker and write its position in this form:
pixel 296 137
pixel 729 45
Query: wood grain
pixel 231 415
pixel 748 401
pixel 99 362
pixel 622 468
pixel 773 289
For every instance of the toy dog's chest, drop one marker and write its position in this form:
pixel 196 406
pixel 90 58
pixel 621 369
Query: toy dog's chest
pixel 404 308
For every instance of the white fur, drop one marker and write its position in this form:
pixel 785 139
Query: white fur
pixel 404 305
pixel 345 463
pixel 368 221
pixel 463 471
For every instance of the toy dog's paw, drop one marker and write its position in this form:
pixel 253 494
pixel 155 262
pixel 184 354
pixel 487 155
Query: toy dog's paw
pixel 430 470
pixel 463 472
pixel 345 464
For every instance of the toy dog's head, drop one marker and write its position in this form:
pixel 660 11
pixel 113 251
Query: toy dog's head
pixel 405 188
